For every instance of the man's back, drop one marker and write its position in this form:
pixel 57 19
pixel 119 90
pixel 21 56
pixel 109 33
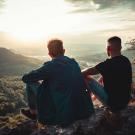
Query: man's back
pixel 68 98
pixel 66 71
pixel 61 97
pixel 117 77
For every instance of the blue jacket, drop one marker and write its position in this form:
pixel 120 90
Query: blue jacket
pixel 62 97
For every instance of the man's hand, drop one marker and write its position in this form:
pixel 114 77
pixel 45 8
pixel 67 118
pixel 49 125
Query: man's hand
pixel 100 80
pixel 90 71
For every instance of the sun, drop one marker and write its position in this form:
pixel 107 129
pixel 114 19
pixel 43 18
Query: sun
pixel 34 20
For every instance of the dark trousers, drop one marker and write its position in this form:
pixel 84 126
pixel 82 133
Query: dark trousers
pixel 31 89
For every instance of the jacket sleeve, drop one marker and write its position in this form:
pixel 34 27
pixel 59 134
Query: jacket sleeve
pixel 42 73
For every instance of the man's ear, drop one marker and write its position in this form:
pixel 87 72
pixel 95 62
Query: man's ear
pixel 109 48
pixel 49 54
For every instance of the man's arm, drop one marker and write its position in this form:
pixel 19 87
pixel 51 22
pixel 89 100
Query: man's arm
pixel 41 73
pixel 98 69
pixel 90 71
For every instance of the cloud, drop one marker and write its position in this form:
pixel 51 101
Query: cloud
pixel 89 5
pixel 83 5
pixel 1 3
pixel 114 3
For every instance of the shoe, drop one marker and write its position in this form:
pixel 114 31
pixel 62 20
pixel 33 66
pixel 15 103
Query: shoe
pixel 28 114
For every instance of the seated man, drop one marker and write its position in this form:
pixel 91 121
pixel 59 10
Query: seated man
pixel 61 96
pixel 117 77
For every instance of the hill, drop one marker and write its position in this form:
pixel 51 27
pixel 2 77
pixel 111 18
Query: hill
pixel 15 64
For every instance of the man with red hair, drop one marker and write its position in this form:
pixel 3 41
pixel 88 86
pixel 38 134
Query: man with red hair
pixel 61 98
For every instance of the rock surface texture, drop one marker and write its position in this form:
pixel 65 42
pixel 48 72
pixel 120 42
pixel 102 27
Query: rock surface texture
pixel 100 123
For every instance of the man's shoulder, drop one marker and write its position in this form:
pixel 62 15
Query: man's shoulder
pixel 104 61
pixel 69 58
pixel 48 64
pixel 73 61
pixel 65 58
pixel 126 58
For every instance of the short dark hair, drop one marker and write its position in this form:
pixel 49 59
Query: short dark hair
pixel 115 41
pixel 55 47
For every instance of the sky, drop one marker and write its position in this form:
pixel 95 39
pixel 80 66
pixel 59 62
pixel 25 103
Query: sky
pixel 74 21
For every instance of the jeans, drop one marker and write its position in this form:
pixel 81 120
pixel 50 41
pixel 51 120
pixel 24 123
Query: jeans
pixel 31 90
pixel 98 90
pixel 93 86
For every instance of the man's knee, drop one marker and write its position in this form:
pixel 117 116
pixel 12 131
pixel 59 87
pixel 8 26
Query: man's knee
pixel 32 87
pixel 89 78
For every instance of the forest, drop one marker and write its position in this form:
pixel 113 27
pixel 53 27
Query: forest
pixel 12 95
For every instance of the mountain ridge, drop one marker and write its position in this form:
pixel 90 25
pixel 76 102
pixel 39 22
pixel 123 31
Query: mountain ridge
pixel 15 64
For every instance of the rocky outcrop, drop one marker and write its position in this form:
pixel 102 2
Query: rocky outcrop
pixel 100 123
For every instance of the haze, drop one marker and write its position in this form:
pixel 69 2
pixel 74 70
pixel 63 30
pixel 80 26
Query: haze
pixel 30 23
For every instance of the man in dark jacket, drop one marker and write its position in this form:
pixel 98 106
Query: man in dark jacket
pixel 61 97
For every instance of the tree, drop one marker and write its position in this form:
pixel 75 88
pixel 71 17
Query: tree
pixel 131 43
